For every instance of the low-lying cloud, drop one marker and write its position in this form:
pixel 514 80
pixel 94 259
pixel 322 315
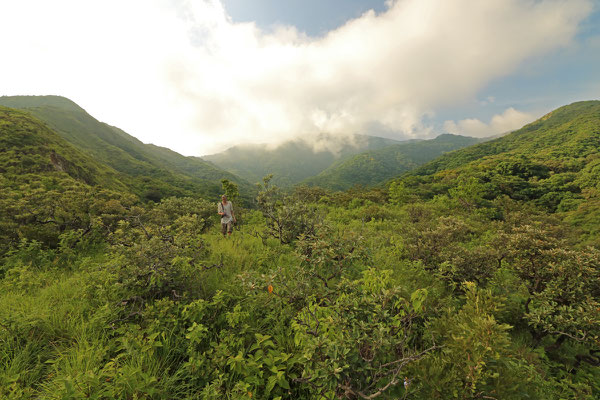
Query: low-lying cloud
pixel 181 73
pixel 508 121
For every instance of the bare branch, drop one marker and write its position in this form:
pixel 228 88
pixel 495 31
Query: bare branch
pixel 400 363
pixel 578 339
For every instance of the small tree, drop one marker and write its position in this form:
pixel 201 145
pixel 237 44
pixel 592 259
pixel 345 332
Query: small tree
pixel 287 217
pixel 562 285
pixel 230 189
pixel 398 193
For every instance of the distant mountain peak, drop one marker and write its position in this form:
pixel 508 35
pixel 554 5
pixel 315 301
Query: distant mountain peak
pixel 294 160
pixel 377 166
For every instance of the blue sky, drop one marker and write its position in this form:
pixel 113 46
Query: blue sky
pixel 559 78
pixel 315 17
pixel 199 76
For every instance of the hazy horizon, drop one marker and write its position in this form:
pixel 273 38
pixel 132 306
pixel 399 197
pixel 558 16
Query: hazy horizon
pixel 220 73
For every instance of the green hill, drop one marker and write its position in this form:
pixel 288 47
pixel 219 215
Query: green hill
pixel 292 161
pixel 377 166
pixel 554 163
pixel 154 172
pixel 46 182
pixel 569 132
pixel 28 147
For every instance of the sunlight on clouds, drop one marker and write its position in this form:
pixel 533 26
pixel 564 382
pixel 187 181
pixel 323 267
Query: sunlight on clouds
pixel 506 122
pixel 180 73
pixel 392 68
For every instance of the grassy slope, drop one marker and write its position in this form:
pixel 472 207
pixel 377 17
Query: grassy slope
pixel 377 166
pixel 28 146
pixel 154 171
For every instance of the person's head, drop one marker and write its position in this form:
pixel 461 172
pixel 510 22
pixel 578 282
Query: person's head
pixel 224 198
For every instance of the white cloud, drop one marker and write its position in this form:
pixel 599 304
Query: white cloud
pixel 508 121
pixel 180 73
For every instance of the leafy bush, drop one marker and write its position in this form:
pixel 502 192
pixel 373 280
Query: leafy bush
pixel 286 217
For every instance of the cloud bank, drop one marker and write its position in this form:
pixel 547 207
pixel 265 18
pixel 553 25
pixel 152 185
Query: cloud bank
pixel 508 121
pixel 180 73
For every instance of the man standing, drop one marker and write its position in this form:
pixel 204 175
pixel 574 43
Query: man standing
pixel 225 210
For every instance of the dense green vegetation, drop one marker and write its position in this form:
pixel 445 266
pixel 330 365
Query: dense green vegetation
pixel 442 286
pixel 30 147
pixel 152 172
pixel 377 166
pixel 293 161
pixel 552 162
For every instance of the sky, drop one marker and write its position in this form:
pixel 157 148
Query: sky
pixel 199 76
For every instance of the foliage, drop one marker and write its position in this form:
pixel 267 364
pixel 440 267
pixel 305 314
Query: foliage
pixel 471 283
pixel 550 162
pixel 480 360
pixel 230 189
pixel 158 249
pixel 379 165
pixel 286 217
pixel 360 341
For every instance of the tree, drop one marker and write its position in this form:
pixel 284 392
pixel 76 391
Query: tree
pixel 230 189
pixel 286 216
pixel 562 286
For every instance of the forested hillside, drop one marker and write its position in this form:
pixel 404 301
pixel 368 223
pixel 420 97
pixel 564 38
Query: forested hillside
pixel 552 163
pixel 566 133
pixel 459 281
pixel 293 161
pixel 31 149
pixel 377 166
pixel 153 172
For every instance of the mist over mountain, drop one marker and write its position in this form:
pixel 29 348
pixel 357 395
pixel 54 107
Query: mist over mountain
pixel 294 160
pixel 377 166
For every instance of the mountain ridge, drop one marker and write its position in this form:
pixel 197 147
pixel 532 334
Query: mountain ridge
pixel 377 166
pixel 515 139
pixel 293 161
pixel 154 173
pixel 552 163
pixel 30 147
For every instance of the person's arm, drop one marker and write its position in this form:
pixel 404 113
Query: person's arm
pixel 220 209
